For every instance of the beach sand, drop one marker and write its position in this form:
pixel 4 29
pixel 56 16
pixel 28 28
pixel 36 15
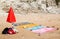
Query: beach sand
pixel 40 19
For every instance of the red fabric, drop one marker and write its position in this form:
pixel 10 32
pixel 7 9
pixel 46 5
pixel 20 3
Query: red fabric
pixel 11 16
pixel 11 32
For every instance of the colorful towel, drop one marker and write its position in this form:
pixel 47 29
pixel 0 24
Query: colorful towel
pixel 35 28
pixel 27 26
pixel 43 30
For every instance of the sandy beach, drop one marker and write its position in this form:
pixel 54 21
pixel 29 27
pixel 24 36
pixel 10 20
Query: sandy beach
pixel 40 19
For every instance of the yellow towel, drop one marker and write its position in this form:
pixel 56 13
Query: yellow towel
pixel 27 26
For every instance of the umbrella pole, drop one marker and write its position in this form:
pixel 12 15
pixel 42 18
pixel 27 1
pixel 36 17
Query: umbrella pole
pixel 13 25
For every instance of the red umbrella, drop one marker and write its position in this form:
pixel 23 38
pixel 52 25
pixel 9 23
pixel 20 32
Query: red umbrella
pixel 11 16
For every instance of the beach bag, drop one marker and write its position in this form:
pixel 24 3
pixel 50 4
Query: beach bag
pixel 5 31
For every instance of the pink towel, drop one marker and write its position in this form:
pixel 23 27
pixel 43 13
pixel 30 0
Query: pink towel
pixel 43 30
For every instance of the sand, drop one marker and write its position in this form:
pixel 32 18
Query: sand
pixel 40 19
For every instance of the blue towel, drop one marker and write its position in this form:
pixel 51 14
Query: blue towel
pixel 35 27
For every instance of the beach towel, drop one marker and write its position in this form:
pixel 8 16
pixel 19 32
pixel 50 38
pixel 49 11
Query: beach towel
pixel 27 25
pixel 35 27
pixel 43 30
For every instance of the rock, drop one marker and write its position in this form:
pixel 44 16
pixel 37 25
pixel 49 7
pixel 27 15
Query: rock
pixel 27 6
pixel 53 10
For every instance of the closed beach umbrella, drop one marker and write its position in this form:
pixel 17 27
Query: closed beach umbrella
pixel 11 17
